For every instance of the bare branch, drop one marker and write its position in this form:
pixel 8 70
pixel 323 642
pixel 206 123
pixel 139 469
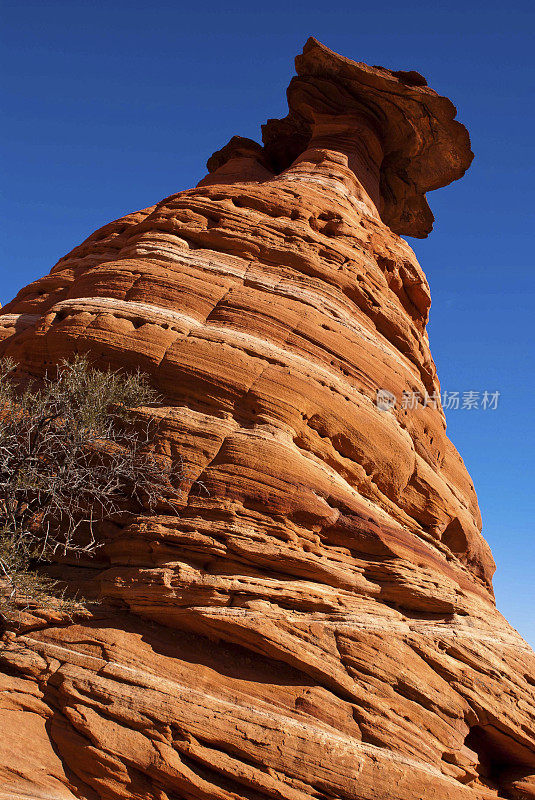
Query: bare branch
pixel 79 449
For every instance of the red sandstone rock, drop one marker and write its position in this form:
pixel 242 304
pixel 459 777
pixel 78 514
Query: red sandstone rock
pixel 318 620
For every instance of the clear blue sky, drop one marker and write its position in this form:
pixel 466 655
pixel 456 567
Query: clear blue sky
pixel 111 106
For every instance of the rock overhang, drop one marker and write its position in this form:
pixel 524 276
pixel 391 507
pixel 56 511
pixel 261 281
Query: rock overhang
pixel 423 146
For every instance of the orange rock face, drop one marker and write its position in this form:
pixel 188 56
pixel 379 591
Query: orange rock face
pixel 318 621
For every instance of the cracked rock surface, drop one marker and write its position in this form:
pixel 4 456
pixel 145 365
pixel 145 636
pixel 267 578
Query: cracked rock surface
pixel 317 622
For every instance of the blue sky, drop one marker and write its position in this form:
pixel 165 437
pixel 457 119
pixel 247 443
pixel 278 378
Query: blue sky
pixel 111 106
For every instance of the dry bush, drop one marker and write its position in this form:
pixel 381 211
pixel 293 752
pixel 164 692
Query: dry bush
pixel 73 453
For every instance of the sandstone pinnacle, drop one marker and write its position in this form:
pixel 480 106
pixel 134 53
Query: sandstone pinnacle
pixel 317 621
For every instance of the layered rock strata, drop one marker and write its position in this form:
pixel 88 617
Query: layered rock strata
pixel 318 619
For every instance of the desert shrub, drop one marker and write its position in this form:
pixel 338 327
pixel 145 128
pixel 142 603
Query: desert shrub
pixel 75 449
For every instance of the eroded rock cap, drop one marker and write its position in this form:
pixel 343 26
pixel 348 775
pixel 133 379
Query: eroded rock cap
pixel 424 146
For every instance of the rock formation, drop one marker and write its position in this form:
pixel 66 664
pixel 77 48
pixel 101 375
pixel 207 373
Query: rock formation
pixel 317 622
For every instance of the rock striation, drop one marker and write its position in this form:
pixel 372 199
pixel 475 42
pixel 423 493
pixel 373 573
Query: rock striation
pixel 317 622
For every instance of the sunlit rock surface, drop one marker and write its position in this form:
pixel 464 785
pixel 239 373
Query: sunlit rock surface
pixel 317 623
